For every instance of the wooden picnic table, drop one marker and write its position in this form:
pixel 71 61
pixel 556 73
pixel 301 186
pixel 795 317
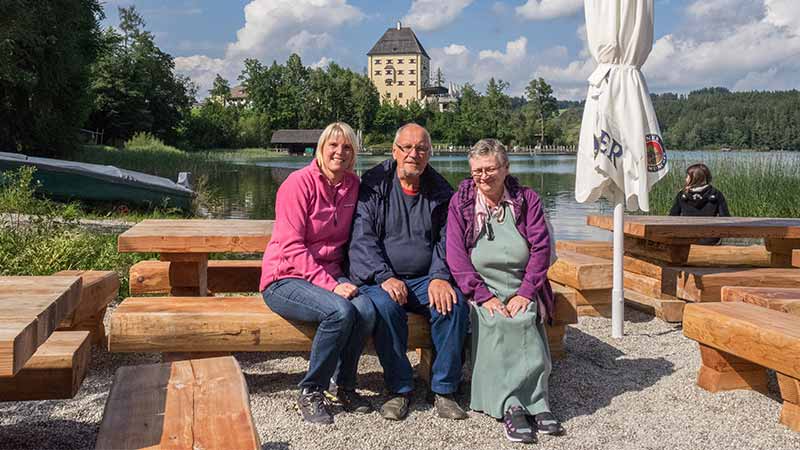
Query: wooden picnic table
pixel 186 244
pixel 30 310
pixel 668 238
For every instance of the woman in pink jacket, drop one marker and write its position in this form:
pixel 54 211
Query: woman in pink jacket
pixel 302 277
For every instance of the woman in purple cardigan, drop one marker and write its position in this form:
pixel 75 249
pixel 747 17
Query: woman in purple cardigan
pixel 498 250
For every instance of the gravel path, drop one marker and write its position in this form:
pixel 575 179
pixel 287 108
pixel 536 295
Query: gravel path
pixel 635 393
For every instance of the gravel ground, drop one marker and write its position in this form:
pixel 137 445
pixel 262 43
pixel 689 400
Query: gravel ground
pixel 634 393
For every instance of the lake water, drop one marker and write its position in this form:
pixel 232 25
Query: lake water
pixel 248 192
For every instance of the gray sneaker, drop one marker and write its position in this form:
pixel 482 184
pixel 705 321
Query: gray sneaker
pixel 448 408
pixel 396 408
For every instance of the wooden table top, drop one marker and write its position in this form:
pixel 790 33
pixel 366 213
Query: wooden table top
pixel 667 227
pixel 196 236
pixel 30 310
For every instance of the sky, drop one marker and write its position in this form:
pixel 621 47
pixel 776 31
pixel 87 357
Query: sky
pixel 742 45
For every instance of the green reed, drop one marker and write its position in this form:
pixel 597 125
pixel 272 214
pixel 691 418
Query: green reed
pixel 762 185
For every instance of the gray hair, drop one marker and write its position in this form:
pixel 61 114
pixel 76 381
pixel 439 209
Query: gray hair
pixel 493 147
pixel 412 124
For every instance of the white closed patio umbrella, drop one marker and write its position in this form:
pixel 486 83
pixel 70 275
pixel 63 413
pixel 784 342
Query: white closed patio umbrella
pixel 620 154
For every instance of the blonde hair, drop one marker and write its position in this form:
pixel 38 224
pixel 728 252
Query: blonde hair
pixel 341 129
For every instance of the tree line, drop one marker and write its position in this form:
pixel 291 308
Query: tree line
pixel 59 72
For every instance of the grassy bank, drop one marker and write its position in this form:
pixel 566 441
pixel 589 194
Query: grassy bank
pixel 52 240
pixel 765 185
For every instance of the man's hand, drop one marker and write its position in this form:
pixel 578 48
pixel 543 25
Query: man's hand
pixel 495 305
pixel 441 296
pixel 517 304
pixel 346 290
pixel 396 289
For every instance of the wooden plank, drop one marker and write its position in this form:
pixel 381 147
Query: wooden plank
pixel 790 413
pixel 581 271
pixel 671 253
pixel 98 289
pixel 188 273
pixel 675 227
pixel 722 371
pixel 666 310
pixel 650 287
pixel 211 324
pixel 598 249
pixel 555 340
pixel 603 310
pixel 703 284
pixel 227 276
pixel 768 338
pixel 183 405
pixel 30 310
pixel 779 299
pixel 55 371
pixel 197 236
pixel 566 311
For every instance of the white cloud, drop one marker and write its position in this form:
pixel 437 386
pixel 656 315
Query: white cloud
pixel 455 49
pixel 515 52
pixel 427 15
pixel 500 8
pixel 784 13
pixel 322 63
pixel 274 29
pixel 549 9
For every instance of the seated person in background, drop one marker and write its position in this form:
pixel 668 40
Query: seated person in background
pixel 302 277
pixel 699 198
pixel 498 250
pixel 397 257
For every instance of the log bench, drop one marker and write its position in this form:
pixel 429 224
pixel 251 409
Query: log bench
pixel 704 284
pixel 225 276
pixel 588 278
pixel 186 405
pixel 738 341
pixel 55 371
pixel 99 289
pixel 779 299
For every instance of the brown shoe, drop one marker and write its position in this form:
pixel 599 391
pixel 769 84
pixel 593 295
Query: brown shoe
pixel 448 408
pixel 396 408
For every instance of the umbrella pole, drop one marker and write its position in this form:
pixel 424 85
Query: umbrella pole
pixel 617 291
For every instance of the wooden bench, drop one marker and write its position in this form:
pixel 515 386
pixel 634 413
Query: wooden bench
pixel 226 276
pixel 100 288
pixel 55 371
pixel 704 284
pixel 779 299
pixel 587 277
pixel 192 404
pixel 738 341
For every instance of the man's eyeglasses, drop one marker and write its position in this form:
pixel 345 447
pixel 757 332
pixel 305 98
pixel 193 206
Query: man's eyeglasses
pixel 421 149
pixel 488 171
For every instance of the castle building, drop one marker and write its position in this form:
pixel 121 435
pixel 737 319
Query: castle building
pixel 399 66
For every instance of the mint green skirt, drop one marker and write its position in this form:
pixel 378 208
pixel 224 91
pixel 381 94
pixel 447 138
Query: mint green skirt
pixel 510 362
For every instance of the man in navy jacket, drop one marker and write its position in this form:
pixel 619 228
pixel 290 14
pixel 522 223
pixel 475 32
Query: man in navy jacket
pixel 397 256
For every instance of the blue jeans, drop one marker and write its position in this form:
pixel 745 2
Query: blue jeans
pixel 343 328
pixel 448 333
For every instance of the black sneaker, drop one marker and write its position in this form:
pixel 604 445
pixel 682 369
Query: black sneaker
pixel 353 402
pixel 547 423
pixel 314 406
pixel 517 427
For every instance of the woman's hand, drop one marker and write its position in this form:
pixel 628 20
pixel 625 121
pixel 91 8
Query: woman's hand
pixel 346 290
pixel 517 304
pixel 495 305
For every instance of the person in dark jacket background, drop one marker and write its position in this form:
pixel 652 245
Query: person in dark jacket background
pixel 397 257
pixel 699 198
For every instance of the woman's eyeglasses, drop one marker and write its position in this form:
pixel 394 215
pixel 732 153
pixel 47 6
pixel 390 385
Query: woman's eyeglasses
pixel 488 171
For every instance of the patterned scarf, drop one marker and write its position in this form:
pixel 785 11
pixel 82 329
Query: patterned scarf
pixel 483 211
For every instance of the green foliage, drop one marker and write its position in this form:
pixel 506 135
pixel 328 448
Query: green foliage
pixel 134 86
pixel 39 237
pixel 46 48
pixel 146 142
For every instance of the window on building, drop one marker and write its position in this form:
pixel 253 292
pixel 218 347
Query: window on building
pixel 412 83
pixel 412 61
pixel 389 82
pixel 399 95
pixel 388 71
pixel 412 71
pixel 378 72
pixel 389 61
pixel 377 61
pixel 399 72
pixel 400 82
pixel 400 61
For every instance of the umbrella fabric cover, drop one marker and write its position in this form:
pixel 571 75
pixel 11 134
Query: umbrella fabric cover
pixel 620 154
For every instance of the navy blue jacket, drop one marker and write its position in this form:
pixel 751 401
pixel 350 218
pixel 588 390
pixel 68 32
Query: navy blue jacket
pixel 367 258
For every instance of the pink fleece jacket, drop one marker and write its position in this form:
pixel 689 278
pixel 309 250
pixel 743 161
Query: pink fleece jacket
pixel 312 225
